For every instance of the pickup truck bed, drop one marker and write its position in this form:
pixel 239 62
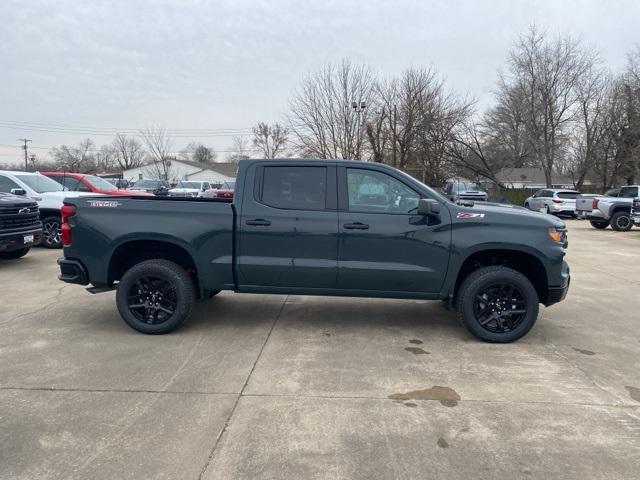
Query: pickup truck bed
pixel 318 227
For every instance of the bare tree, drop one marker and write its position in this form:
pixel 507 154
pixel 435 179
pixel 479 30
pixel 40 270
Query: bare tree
pixel 240 149
pixel 471 151
pixel 593 122
pixel 270 139
pixel 504 128
pixel 129 152
pixel 322 121
pixel 159 153
pixel 197 152
pixel 80 158
pixel 547 73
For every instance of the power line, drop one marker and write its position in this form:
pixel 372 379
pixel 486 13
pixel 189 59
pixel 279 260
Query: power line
pixel 95 150
pixel 89 130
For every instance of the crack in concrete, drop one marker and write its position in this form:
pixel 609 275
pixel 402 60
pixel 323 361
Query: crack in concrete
pixel 240 395
pixel 55 300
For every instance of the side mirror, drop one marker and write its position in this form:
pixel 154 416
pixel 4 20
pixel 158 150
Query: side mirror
pixel 428 207
pixel 18 191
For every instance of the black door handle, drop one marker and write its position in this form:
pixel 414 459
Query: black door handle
pixel 356 226
pixel 260 222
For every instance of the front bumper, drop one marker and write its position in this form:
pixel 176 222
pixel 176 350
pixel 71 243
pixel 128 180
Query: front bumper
pixel 17 240
pixel 556 294
pixel 72 271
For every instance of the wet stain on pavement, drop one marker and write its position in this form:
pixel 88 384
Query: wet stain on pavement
pixel 445 395
pixel 410 404
pixel 442 443
pixel 634 392
pixel 326 334
pixel 415 341
pixel 417 351
pixel 584 352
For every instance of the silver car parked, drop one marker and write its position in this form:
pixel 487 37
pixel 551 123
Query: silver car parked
pixel 553 200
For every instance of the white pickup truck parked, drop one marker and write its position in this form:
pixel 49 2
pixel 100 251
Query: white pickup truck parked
pixel 614 211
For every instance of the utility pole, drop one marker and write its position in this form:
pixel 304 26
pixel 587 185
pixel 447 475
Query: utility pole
pixel 26 155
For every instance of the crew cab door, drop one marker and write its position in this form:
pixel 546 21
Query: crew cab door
pixel 288 227
pixel 385 246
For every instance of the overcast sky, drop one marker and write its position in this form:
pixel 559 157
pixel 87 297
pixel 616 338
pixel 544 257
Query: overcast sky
pixel 228 64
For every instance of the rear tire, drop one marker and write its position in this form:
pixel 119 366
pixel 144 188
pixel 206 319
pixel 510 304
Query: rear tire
pixel 621 222
pixel 487 299
pixel 155 296
pixel 12 255
pixel 51 236
pixel 526 205
pixel 599 225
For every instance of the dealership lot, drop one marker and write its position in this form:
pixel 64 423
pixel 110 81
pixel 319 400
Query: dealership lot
pixel 260 386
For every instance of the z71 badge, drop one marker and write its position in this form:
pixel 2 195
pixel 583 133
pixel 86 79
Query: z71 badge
pixel 104 203
pixel 469 215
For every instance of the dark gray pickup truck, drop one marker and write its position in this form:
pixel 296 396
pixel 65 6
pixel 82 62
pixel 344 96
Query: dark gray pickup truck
pixel 318 227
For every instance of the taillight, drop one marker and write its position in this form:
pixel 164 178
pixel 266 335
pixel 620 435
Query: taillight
pixel 66 212
pixel 557 200
pixel 594 203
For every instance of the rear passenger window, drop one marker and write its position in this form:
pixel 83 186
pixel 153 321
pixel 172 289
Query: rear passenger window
pixel 295 188
pixel 629 192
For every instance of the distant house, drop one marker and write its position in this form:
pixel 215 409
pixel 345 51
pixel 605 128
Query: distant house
pixel 178 169
pixel 532 178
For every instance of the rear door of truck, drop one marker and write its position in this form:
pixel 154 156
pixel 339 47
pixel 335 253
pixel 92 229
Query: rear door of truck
pixel 288 226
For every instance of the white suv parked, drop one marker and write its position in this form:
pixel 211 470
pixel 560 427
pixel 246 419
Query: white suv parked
pixel 48 193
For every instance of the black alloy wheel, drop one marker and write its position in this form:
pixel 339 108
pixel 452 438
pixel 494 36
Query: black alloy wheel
pixel 155 296
pixel 152 300
pixel 497 304
pixel 500 307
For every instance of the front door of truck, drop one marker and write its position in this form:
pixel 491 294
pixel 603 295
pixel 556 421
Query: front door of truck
pixel 384 244
pixel 289 227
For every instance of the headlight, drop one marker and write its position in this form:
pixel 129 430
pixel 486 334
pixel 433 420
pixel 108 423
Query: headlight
pixel 559 235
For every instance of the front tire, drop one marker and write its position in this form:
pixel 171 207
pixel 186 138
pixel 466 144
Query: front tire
pixel 155 296
pixel 621 222
pixel 12 255
pixel 498 304
pixel 51 236
pixel 599 225
pixel 526 205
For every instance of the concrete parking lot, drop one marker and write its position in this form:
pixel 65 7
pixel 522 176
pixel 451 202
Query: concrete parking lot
pixel 288 387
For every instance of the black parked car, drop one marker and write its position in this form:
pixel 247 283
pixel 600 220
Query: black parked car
pixel 20 226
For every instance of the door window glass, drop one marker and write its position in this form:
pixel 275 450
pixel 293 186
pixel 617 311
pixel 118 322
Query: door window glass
pixel 371 191
pixel 629 192
pixel 6 184
pixel 295 188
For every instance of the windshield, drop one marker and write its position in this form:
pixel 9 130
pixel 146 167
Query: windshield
pixel 99 183
pixel 468 187
pixel 40 183
pixel 229 185
pixel 146 184
pixel 195 185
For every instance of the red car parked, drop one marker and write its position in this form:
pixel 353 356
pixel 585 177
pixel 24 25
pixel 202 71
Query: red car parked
pixel 82 182
pixel 226 191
